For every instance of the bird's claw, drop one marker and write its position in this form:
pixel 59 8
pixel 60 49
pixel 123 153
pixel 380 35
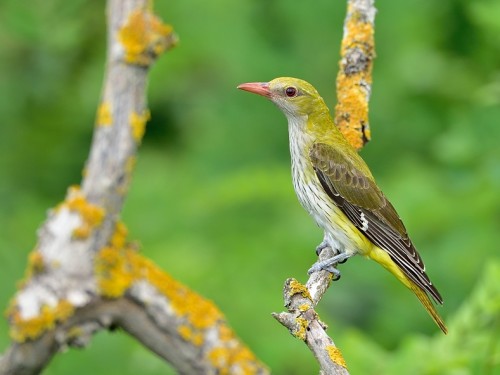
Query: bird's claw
pixel 335 273
pixel 329 265
pixel 316 267
pixel 323 245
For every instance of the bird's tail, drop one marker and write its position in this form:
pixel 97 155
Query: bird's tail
pixel 431 309
pixel 381 256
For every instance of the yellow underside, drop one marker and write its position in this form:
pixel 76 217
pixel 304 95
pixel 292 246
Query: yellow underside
pixel 382 257
pixel 343 230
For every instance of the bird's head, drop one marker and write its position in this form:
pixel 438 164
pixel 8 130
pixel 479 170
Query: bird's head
pixel 295 97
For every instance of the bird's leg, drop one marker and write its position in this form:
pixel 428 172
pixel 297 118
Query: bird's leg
pixel 328 242
pixel 329 265
pixel 338 256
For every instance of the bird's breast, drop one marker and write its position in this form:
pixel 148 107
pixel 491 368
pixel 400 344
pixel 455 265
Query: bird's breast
pixel 342 234
pixel 307 186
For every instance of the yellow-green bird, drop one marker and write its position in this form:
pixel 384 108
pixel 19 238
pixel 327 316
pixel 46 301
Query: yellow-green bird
pixel 336 187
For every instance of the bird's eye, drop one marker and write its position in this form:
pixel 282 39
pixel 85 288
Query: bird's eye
pixel 291 91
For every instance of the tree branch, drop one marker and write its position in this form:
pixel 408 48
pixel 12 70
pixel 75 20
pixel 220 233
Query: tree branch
pixel 304 323
pixel 159 335
pixel 355 72
pixel 83 276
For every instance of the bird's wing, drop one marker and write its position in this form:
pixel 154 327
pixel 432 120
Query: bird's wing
pixel 359 198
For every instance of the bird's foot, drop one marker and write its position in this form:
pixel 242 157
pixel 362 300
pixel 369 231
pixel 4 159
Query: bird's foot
pixel 322 246
pixel 329 265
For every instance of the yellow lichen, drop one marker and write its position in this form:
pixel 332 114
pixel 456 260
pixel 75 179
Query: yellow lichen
pixel 351 112
pixel 118 266
pixel 36 264
pixel 104 116
pixel 336 356
pixel 81 232
pixel 117 269
pixel 232 353
pixel 301 330
pixel 227 359
pixel 359 33
pixel 246 360
pixel 144 37
pixel 114 275
pixel 304 307
pixel 298 288
pixel 112 265
pixel 119 236
pixel 225 334
pixel 138 124
pixel 185 332
pixel 219 357
pixel 91 215
pixel 29 329
pixel 198 338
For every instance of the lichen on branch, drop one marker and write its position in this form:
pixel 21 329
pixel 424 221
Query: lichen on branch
pixel 354 78
pixel 121 270
pixel 83 275
pixel 144 37
pixel 304 323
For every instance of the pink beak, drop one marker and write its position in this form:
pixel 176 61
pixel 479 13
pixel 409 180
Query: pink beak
pixel 259 88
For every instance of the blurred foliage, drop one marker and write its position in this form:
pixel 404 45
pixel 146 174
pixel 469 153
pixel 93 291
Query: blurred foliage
pixel 212 201
pixel 471 347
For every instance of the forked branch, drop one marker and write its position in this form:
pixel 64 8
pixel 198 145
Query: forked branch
pixel 83 276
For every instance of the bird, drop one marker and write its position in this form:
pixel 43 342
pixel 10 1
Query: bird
pixel 336 187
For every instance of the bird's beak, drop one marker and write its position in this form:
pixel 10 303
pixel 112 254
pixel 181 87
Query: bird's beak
pixel 259 88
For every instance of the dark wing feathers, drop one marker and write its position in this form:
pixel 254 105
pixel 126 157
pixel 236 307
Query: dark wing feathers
pixel 359 198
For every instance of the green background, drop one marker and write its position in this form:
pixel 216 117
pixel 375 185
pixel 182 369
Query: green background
pixel 211 201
